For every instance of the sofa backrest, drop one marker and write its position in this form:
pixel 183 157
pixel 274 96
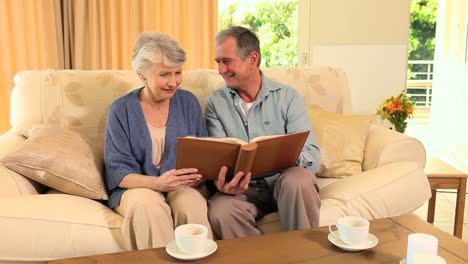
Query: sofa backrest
pixel 80 99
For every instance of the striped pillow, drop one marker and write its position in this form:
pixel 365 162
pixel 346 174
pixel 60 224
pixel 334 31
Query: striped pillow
pixel 62 159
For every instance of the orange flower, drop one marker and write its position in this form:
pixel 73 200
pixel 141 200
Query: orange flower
pixel 391 107
pixel 397 110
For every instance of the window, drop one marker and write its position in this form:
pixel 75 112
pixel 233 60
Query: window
pixel 274 22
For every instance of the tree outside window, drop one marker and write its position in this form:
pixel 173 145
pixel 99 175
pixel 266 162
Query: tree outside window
pixel 274 22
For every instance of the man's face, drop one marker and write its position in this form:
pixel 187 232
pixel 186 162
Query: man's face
pixel 235 71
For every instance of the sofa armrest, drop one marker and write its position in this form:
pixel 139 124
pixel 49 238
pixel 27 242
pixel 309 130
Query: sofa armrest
pixel 389 190
pixel 14 184
pixel 9 142
pixel 384 146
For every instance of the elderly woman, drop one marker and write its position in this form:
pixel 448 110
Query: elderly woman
pixel 140 148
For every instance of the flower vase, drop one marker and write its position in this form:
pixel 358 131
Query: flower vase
pixel 401 126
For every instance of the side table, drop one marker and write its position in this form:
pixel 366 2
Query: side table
pixel 443 176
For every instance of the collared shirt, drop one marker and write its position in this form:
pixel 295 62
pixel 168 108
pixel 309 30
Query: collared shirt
pixel 278 110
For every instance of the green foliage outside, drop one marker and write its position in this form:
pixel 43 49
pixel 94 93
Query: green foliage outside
pixel 422 33
pixel 275 23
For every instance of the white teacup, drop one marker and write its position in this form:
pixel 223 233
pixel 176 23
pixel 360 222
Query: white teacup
pixel 352 230
pixel 191 238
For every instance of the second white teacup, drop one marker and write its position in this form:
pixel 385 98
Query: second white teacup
pixel 352 230
pixel 191 238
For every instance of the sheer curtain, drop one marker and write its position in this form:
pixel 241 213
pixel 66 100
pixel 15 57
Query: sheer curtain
pixel 449 122
pixel 93 34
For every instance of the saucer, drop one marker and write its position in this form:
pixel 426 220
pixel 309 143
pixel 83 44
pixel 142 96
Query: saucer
pixel 335 239
pixel 173 250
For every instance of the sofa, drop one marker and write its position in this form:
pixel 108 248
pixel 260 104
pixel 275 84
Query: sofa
pixel 41 223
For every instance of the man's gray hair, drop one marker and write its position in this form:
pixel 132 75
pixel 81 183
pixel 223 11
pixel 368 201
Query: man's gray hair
pixel 246 40
pixel 156 47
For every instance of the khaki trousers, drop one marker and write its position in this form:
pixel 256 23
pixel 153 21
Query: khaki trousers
pixel 150 218
pixel 295 195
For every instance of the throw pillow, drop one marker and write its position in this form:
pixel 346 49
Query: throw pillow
pixel 341 139
pixel 62 159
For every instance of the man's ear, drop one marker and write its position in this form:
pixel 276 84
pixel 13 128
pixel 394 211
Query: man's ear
pixel 254 57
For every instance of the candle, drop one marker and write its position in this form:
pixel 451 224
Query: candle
pixel 428 259
pixel 419 243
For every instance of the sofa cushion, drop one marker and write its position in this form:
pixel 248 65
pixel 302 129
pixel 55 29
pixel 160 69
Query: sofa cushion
pixel 74 99
pixel 53 226
pixel 62 159
pixel 323 88
pixel 341 139
pixel 79 99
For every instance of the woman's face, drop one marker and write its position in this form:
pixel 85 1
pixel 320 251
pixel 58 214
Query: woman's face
pixel 162 81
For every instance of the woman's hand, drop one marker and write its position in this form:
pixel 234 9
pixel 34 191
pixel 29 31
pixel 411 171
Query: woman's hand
pixel 175 179
pixel 237 185
pixel 196 183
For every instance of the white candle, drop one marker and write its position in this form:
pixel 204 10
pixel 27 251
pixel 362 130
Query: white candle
pixel 428 259
pixel 419 243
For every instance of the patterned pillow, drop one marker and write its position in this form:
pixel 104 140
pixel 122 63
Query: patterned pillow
pixel 62 159
pixel 341 139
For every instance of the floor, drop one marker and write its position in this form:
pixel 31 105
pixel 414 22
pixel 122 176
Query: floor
pixel 445 212
pixel 446 199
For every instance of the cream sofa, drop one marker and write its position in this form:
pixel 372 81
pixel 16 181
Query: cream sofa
pixel 40 226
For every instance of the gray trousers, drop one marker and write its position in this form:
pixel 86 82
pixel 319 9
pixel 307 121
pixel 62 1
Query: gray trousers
pixel 295 196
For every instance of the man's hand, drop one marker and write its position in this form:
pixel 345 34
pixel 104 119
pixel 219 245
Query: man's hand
pixel 237 185
pixel 175 179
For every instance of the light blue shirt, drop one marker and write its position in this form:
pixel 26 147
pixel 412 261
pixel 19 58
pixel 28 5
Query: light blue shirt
pixel 278 110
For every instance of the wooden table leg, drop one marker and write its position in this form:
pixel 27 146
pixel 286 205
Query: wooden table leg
pixel 431 206
pixel 459 209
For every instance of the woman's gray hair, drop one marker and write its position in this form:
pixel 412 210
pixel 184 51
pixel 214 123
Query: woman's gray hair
pixel 156 47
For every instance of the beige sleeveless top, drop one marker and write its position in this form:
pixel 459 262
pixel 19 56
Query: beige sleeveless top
pixel 158 136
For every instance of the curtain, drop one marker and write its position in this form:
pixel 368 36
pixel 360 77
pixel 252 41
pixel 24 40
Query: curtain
pixel 96 34
pixel 28 42
pixel 105 31
pixel 449 124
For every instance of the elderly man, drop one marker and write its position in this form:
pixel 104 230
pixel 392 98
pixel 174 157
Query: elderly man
pixel 252 105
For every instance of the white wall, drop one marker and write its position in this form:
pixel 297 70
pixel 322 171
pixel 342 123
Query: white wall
pixel 368 39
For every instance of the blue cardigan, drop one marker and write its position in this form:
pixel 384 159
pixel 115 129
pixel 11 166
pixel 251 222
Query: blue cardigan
pixel 128 147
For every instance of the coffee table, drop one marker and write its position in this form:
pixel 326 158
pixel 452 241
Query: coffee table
pixel 305 246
